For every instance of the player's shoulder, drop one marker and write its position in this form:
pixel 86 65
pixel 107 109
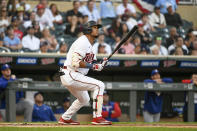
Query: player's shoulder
pixel 82 41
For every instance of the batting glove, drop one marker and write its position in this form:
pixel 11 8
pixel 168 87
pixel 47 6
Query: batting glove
pixel 105 60
pixel 97 67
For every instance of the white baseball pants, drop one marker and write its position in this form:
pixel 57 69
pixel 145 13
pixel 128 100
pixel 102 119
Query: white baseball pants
pixel 79 85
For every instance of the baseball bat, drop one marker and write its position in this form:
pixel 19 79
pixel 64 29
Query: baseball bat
pixel 129 34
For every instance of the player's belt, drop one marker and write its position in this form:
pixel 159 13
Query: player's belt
pixel 65 67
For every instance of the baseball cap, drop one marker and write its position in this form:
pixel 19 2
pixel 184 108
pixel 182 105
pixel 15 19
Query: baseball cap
pixel 20 8
pixel 105 92
pixel 40 6
pixel 5 66
pixel 43 43
pixel 168 5
pixel 156 7
pixel 37 93
pixel 67 99
pixel 155 71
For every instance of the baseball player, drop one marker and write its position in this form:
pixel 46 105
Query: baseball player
pixel 73 76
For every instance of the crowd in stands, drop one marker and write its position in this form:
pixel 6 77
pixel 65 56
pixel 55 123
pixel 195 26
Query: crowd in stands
pixel 44 28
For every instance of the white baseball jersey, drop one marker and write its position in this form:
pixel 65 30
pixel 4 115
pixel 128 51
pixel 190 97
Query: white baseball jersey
pixel 83 47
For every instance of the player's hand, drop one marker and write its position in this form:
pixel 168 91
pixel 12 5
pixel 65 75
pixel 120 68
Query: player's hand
pixel 105 60
pixel 97 67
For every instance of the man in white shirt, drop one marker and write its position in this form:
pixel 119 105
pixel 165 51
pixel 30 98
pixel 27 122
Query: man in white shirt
pixel 126 8
pixel 161 49
pixel 30 41
pixel 45 21
pixel 93 14
pixel 31 19
pixel 101 42
pixel 157 19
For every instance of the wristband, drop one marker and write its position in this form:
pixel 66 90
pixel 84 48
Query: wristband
pixel 88 65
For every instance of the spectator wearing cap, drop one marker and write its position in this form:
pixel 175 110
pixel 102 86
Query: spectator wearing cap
pixel 65 106
pixel 144 36
pixel 107 9
pixel 21 14
pixel 4 19
pixel 163 4
pixel 45 21
pixel 157 19
pixel 126 8
pixel 93 14
pixel 179 43
pixel 173 18
pixel 17 27
pixel 158 43
pixel 63 47
pixel 11 41
pixel 192 80
pixel 29 41
pixel 22 105
pixel 44 47
pixel 107 47
pixel 171 39
pixel 57 18
pixel 110 110
pixel 27 7
pixel 154 100
pixel 41 112
pixel 74 12
pixel 145 21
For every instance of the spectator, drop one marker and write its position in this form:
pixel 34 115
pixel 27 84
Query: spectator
pixel 11 7
pixel 127 47
pixel 44 47
pixel 51 40
pixel 27 7
pixel 57 18
pixel 3 4
pixel 111 110
pixel 107 9
pixel 189 39
pixel 64 108
pixel 16 26
pixel 41 112
pixel 93 14
pixel 101 49
pixel 4 19
pixel 74 12
pixel 156 19
pixel 163 4
pixel 154 100
pixel 123 30
pixel 144 36
pixel 171 39
pixel 22 105
pixel 194 46
pixel 2 35
pixel 101 41
pixel 73 27
pixel 45 21
pixel 158 43
pixel 173 18
pixel 29 41
pixel 194 53
pixel 155 50
pixel 21 14
pixel 145 21
pixel 37 31
pixel 29 22
pixel 178 43
pixel 126 8
pixel 11 41
pixel 131 22
pixel 178 51
pixel 193 81
pixel 63 47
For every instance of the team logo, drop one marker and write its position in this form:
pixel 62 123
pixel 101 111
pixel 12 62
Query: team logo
pixel 89 57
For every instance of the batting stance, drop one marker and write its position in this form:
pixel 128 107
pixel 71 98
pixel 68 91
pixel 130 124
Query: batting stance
pixel 79 61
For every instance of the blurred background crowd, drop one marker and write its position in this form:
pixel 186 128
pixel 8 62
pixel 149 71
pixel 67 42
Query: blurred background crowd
pixel 44 28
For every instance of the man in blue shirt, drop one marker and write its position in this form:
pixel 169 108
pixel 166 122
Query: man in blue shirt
pixel 154 100
pixel 41 112
pixel 163 4
pixel 64 108
pixel 107 9
pixel 22 106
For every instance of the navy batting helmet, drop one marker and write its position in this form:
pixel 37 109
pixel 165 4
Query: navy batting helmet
pixel 87 27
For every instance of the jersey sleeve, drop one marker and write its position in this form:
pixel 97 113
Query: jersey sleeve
pixel 117 111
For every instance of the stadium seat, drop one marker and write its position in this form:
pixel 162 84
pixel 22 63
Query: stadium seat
pixel 4 49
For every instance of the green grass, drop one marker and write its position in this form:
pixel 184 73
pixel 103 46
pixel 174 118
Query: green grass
pixel 94 129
